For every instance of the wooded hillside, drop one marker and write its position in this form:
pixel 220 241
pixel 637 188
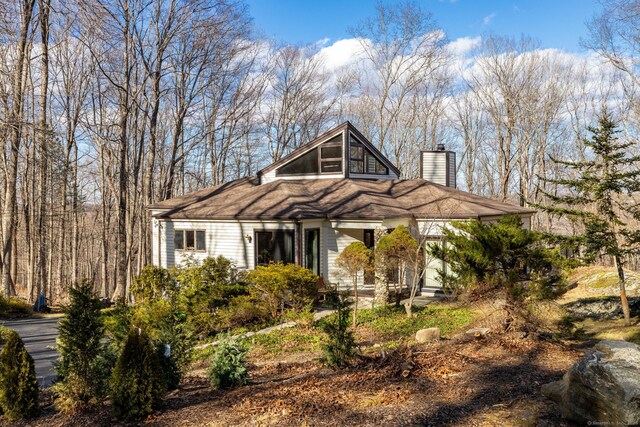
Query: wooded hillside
pixel 108 106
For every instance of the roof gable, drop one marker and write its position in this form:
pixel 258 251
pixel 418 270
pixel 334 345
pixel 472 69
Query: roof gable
pixel 321 157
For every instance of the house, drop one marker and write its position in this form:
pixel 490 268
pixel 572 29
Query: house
pixel 311 204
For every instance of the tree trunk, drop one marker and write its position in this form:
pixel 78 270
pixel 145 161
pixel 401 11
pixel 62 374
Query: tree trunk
pixel 9 209
pixel 43 145
pixel 355 299
pixel 623 291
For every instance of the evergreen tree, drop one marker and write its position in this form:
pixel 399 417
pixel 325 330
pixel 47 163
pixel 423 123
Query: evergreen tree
pixel 598 197
pixel 340 346
pixel 494 253
pixel 137 384
pixel 18 384
pixel 81 369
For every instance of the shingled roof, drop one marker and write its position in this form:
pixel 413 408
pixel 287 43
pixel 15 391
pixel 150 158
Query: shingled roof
pixel 246 199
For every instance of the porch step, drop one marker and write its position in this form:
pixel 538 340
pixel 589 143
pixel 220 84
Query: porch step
pixel 432 292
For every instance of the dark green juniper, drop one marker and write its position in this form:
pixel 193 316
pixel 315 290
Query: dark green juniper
pixel 599 198
pixel 18 384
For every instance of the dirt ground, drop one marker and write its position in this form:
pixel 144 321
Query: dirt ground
pixel 493 381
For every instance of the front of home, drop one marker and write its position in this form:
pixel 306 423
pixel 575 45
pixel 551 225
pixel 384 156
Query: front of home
pixel 307 207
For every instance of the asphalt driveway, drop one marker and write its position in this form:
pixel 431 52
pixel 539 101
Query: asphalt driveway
pixel 39 337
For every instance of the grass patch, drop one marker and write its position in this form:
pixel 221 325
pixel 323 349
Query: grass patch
pixel 614 329
pixel 389 324
pixel 289 340
pixel 393 322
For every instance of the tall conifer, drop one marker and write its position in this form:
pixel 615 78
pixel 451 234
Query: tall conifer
pixel 600 196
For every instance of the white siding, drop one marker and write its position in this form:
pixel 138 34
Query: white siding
pixel 434 167
pixel 439 167
pixel 336 241
pixel 226 238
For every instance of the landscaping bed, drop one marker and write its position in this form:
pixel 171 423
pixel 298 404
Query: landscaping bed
pixel 492 381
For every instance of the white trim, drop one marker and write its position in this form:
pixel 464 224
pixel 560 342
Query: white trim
pixel 357 224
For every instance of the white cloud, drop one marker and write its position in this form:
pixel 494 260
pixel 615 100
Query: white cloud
pixel 463 45
pixel 341 53
pixel 487 19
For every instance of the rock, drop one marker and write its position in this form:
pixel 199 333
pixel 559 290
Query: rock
pixel 601 308
pixel 603 387
pixel 428 335
pixel 478 332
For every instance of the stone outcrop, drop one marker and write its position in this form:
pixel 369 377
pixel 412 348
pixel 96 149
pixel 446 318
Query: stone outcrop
pixel 603 387
pixel 428 335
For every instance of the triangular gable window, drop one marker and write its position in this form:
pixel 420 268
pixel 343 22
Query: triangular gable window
pixel 363 161
pixel 324 159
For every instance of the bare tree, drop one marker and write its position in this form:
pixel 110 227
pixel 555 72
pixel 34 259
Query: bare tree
pixel 403 49
pixel 15 123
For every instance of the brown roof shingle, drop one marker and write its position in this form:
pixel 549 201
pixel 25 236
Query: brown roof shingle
pixel 332 199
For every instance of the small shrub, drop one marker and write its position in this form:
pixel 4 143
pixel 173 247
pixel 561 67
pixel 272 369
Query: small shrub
pixel 280 286
pixel 14 307
pixel 340 347
pixel 137 386
pixel 18 384
pixel 83 368
pixel 166 325
pixel 304 318
pixel 243 310
pixel 228 365
pixel 205 288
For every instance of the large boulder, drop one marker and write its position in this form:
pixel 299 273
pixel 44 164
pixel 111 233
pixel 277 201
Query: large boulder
pixel 602 387
pixel 428 335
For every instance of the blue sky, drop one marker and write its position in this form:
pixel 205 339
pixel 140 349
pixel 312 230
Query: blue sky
pixel 556 24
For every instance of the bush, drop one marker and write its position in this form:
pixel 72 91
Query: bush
pixel 166 325
pixel 153 283
pixel 137 386
pixel 340 346
pixel 228 365
pixel 498 255
pixel 242 311
pixel 18 384
pixel 83 367
pixel 14 307
pixel 205 288
pixel 281 286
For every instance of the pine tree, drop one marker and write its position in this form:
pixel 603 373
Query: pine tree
pixel 137 385
pixel 598 197
pixel 18 384
pixel 81 369
pixel 340 347
pixel 493 253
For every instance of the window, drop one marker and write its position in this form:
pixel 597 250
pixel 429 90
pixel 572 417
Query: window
pixel 363 161
pixel 189 240
pixel 312 249
pixel 331 156
pixel 274 246
pixel 357 159
pixel 369 242
pixel 305 164
pixel 327 158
